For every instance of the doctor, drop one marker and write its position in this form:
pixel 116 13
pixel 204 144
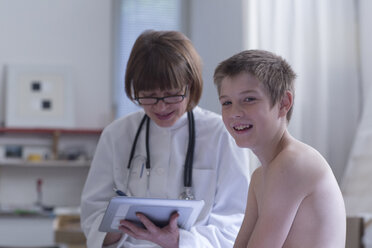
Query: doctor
pixel 171 149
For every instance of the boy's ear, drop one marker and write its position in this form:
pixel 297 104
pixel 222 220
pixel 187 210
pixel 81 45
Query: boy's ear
pixel 286 103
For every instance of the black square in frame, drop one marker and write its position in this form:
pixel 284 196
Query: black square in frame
pixel 46 104
pixel 35 86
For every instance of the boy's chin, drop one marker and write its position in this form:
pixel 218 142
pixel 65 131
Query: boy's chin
pixel 241 144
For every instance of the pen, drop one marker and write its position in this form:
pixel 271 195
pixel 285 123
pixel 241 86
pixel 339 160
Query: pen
pixel 119 192
pixel 143 165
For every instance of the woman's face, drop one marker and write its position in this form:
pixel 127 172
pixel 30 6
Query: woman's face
pixel 165 112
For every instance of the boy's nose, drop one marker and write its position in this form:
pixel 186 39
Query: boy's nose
pixel 237 111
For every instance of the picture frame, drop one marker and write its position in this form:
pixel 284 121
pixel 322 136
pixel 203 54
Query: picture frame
pixel 39 97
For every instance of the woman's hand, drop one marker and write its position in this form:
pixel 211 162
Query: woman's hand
pixel 166 237
pixel 111 238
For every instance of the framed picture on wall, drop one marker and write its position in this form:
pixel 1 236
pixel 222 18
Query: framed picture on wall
pixel 39 96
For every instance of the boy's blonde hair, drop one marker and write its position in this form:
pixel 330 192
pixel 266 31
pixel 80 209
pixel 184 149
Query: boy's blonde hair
pixel 273 71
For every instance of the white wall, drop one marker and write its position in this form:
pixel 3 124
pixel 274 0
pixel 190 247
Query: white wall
pixel 62 32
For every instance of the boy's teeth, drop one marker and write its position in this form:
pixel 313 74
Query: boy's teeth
pixel 241 127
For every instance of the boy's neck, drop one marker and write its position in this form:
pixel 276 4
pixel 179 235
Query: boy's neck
pixel 271 150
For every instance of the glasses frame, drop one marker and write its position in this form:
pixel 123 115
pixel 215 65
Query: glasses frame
pixel 157 99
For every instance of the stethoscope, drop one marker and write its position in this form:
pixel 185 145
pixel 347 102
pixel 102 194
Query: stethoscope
pixel 187 177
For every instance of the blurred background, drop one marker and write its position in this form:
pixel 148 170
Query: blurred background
pixel 86 44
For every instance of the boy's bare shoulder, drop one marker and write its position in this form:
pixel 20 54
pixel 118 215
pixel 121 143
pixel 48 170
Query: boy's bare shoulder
pixel 300 165
pixel 299 156
pixel 256 175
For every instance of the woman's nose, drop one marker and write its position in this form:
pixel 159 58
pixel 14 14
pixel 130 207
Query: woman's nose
pixel 160 104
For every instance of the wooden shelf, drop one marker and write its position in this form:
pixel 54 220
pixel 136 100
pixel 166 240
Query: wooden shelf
pixel 54 132
pixel 44 163
pixel 49 130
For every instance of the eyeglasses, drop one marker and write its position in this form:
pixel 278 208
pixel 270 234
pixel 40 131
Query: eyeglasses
pixel 167 99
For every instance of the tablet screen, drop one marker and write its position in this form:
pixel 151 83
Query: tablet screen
pixel 157 210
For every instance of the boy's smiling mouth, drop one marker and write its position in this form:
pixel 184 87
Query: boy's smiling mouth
pixel 242 127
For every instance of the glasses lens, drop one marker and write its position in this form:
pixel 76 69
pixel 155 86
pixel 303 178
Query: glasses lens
pixel 147 101
pixel 173 99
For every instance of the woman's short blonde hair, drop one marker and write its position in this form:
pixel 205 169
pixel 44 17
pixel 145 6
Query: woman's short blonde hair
pixel 164 60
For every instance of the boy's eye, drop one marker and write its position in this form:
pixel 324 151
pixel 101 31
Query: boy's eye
pixel 224 103
pixel 249 99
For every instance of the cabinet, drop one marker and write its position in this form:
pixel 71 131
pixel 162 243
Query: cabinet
pixel 28 231
pixel 59 159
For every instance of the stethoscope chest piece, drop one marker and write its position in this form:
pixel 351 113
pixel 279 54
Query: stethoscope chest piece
pixel 187 194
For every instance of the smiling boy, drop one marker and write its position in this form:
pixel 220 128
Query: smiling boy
pixel 294 199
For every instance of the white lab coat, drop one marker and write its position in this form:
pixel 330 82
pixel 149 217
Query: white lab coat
pixel 220 176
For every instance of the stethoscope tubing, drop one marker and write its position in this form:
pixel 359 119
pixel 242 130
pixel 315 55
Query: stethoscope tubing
pixel 145 117
pixel 190 148
pixel 190 151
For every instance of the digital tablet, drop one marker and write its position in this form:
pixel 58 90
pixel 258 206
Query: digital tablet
pixel 157 210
